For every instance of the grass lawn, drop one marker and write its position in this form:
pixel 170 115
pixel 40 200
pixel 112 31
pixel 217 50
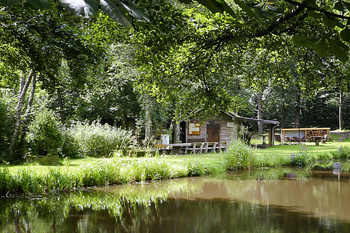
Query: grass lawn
pixel 210 158
pixel 87 172
pixel 277 151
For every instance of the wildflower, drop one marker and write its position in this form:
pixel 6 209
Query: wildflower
pixel 292 155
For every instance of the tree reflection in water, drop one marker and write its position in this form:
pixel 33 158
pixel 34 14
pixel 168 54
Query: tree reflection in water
pixel 253 202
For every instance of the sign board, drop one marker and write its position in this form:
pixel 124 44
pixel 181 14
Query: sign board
pixel 194 128
pixel 230 124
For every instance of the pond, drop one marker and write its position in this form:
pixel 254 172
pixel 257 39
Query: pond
pixel 266 200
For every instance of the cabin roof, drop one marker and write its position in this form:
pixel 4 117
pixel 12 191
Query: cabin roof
pixel 272 122
pixel 234 115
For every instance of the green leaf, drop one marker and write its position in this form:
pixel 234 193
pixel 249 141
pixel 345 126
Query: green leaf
pixel 339 6
pixel 115 13
pixel 339 50
pixel 347 5
pixel 305 41
pixel 329 22
pixel 217 6
pixel 185 1
pixel 311 3
pixel 133 10
pixel 274 8
pixel 321 48
pixel 81 7
pixel 314 14
pixel 40 4
pixel 245 8
pixel 10 2
pixel 261 11
pixel 345 35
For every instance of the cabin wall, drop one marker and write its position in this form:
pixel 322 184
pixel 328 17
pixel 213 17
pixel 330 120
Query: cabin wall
pixel 228 129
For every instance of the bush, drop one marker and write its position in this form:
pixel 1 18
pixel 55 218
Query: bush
pixel 70 148
pixel 239 156
pixel 7 116
pixel 44 134
pixel 99 140
pixel 301 159
pixel 344 152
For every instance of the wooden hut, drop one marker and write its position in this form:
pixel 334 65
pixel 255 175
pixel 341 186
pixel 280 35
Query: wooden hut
pixel 223 127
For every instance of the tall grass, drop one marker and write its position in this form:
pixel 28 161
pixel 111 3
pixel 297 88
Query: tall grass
pixel 118 170
pixel 102 173
pixel 239 156
pixel 98 140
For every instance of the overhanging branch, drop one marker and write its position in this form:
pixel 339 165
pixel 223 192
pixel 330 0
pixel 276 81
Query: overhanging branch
pixel 303 4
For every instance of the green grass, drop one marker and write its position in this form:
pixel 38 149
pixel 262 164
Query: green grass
pixel 33 179
pixel 286 150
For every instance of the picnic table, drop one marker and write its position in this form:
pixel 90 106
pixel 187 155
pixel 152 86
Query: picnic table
pixel 176 147
pixel 317 139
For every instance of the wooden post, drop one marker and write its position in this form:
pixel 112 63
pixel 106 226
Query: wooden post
pixel 271 135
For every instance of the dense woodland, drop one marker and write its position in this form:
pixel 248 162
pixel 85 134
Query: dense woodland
pixel 147 68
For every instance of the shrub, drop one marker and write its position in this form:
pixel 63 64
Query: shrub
pixel 44 134
pixel 325 156
pixel 70 148
pixel 344 152
pixel 301 159
pixel 6 122
pixel 99 140
pixel 272 160
pixel 239 156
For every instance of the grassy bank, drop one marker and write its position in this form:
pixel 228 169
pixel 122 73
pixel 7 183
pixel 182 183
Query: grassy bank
pixel 32 179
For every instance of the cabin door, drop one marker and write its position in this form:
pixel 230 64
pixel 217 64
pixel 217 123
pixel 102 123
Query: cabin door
pixel 213 133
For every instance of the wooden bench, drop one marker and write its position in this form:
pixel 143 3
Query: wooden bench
pixel 317 139
pixel 196 147
pixel 163 149
pixel 206 147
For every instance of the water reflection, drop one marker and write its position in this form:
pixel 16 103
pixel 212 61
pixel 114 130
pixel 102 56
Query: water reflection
pixel 285 200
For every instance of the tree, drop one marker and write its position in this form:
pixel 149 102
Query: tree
pixel 269 18
pixel 38 44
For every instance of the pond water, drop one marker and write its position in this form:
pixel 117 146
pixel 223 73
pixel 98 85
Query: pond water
pixel 268 200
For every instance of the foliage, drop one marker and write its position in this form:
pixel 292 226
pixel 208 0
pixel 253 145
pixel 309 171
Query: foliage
pixel 301 158
pixel 272 160
pixel 70 149
pixel 344 152
pixel 6 122
pixel 239 156
pixel 99 140
pixel 109 94
pixel 45 136
pixel 121 12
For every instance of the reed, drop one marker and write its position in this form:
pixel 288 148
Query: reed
pixel 75 174
pixel 239 156
pixel 102 173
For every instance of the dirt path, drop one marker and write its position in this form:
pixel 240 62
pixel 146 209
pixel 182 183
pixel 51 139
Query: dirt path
pixel 343 134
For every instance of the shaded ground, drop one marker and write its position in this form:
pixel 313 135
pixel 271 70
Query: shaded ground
pixel 342 134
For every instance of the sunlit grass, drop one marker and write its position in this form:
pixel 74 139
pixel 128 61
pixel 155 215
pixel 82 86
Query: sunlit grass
pixel 87 172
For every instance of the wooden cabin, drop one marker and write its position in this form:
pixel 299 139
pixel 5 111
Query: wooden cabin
pixel 224 127
pixel 221 128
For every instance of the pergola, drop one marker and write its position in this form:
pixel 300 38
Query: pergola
pixel 271 123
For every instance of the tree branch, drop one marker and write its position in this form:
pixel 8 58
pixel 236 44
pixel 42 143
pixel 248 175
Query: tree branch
pixel 303 4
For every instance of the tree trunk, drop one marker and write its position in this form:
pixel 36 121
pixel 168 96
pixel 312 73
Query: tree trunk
pixel 341 110
pixel 27 114
pixel 297 111
pixel 148 118
pixel 283 116
pixel 176 132
pixel 60 105
pixel 260 115
pixel 17 125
